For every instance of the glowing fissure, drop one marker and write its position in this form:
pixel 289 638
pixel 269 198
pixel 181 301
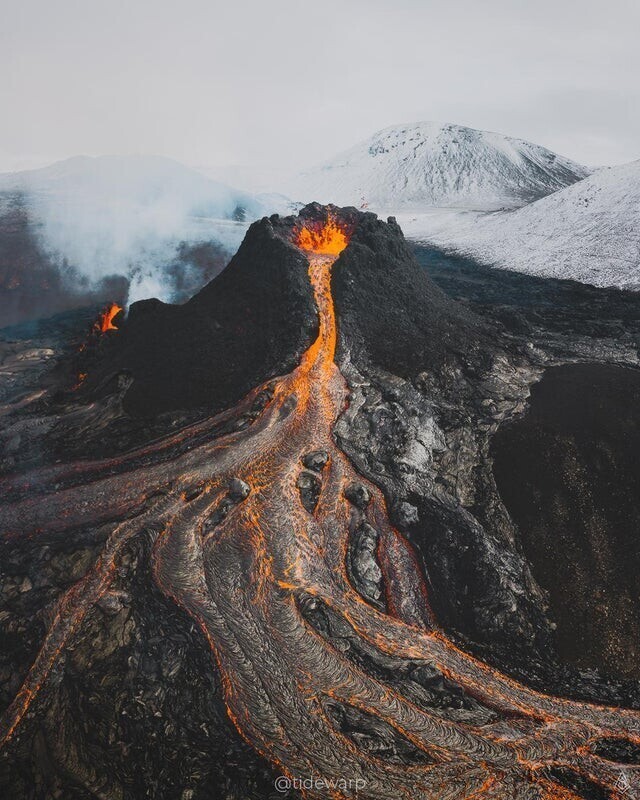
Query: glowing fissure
pixel 244 576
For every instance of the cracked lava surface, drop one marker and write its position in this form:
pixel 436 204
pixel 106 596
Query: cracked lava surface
pixel 257 563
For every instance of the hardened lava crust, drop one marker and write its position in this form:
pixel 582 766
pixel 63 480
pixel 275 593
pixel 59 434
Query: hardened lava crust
pixel 259 534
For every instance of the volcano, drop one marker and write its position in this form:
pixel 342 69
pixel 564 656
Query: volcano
pixel 317 574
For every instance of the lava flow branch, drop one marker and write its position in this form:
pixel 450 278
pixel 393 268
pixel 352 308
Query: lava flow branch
pixel 254 539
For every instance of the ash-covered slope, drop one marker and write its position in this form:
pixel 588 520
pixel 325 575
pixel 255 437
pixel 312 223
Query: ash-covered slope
pixel 589 232
pixel 391 312
pixel 250 323
pixel 432 164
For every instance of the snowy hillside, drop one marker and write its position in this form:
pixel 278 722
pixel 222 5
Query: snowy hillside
pixel 131 216
pixel 432 164
pixel 589 232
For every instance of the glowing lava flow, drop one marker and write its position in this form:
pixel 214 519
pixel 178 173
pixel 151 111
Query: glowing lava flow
pixel 256 566
pixel 105 320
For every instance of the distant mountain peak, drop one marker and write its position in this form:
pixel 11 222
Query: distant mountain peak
pixel 425 164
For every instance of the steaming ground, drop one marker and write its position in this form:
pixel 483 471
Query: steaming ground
pixel 122 228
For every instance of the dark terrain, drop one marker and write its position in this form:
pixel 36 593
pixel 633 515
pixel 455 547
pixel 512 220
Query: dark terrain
pixel 567 469
pixel 568 473
pixel 516 506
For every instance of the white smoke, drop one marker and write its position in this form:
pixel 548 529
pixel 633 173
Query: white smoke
pixel 132 217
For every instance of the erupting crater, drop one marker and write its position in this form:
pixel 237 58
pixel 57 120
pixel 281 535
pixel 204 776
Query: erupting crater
pixel 255 532
pixel 325 238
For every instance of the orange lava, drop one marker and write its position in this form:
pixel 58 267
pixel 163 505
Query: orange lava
pixel 330 239
pixel 105 320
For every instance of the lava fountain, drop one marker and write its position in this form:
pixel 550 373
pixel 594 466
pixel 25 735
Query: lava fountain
pixel 254 531
pixel 326 239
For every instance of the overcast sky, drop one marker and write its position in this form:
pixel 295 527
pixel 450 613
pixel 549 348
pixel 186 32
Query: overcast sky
pixel 292 82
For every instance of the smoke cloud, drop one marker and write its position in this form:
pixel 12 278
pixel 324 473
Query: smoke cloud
pixel 163 227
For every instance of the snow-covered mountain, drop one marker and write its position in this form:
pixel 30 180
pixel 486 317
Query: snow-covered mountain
pixel 589 232
pixel 431 164
pixel 161 227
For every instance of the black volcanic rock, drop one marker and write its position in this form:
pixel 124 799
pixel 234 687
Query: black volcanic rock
pixel 390 309
pixel 250 323
pixel 576 500
pixel 430 379
pixel 316 460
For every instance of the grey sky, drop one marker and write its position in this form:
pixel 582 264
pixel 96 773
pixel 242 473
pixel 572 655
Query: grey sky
pixel 295 81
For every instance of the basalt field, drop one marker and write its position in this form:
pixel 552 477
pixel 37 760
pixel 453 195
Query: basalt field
pixel 358 514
